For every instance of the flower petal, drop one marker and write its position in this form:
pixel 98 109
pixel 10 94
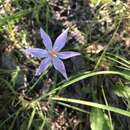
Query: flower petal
pixel 59 65
pixel 60 41
pixel 43 66
pixel 36 52
pixel 67 54
pixel 46 39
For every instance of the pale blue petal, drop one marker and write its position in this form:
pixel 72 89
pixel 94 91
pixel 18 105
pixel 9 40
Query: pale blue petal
pixel 43 66
pixel 59 65
pixel 61 40
pixel 46 39
pixel 67 54
pixel 36 52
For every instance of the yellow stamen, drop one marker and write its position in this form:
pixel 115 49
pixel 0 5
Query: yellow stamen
pixel 53 53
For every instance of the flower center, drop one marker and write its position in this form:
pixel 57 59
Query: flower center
pixel 53 53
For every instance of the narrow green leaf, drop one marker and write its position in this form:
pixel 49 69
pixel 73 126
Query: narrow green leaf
pixel 31 119
pixel 81 76
pixel 118 61
pixel 15 16
pixel 73 107
pixel 120 58
pixel 85 75
pixel 93 104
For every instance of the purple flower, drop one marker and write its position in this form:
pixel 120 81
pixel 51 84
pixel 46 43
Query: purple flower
pixel 52 54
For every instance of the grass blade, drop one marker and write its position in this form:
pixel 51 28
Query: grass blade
pixel 93 104
pixel 31 119
pixel 84 76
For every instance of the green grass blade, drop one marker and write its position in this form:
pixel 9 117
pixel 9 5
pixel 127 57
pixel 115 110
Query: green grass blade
pixel 42 116
pixel 15 76
pixel 84 76
pixel 117 61
pixel 10 117
pixel 109 114
pixel 73 107
pixel 14 119
pixel 119 57
pixel 109 43
pixel 31 119
pixel 5 82
pixel 37 81
pixel 93 104
pixel 15 16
